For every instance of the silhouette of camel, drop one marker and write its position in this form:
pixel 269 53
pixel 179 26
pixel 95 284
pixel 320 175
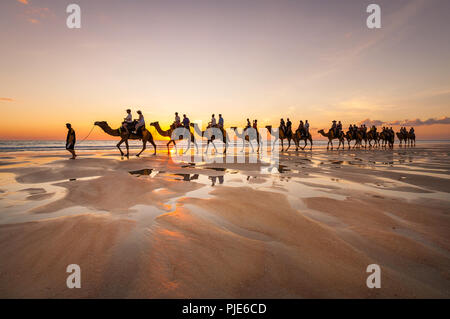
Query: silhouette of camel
pixel 120 132
pixel 248 134
pixel 280 136
pixel 209 135
pixel 331 137
pixel 168 133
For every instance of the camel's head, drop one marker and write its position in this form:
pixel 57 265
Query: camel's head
pixel 320 131
pixel 154 123
pixel 269 127
pixel 233 128
pixel 192 124
pixel 100 123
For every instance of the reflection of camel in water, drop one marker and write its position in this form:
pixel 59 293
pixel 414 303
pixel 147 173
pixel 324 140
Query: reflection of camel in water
pixel 408 138
pixel 146 137
pixel 331 137
pixel 248 136
pixel 299 137
pixel 168 133
pixel 280 136
pixel 209 135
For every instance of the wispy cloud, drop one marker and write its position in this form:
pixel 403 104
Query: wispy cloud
pixel 23 1
pixel 6 99
pixel 416 122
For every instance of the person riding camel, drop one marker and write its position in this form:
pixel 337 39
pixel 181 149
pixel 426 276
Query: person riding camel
pixel 177 122
pixel 411 130
pixel 301 128
pixel 306 128
pixel 186 121
pixel 288 127
pixel 283 126
pixel 355 131
pixel 221 122
pixel 127 121
pixel 255 124
pixel 248 124
pixel 213 122
pixel 140 124
pixel 333 127
pixel 339 128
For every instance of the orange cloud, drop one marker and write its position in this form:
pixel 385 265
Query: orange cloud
pixel 36 15
pixel 23 1
pixel 6 99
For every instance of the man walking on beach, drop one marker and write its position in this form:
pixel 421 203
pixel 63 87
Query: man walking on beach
pixel 70 140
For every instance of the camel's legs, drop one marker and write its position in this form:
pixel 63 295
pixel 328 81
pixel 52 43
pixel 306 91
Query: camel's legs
pixel 289 144
pixel 118 146
pixel 126 144
pixel 154 146
pixel 144 146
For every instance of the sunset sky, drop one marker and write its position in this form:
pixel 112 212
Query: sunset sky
pixel 314 60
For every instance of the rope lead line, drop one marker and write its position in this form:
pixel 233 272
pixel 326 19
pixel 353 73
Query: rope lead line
pixel 88 134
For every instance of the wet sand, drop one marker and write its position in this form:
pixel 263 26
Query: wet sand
pixel 152 227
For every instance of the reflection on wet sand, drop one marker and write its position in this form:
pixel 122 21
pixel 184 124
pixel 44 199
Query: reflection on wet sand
pixel 306 227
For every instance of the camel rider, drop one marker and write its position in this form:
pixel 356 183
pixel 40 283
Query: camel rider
pixel 255 124
pixel 288 127
pixel 333 127
pixel 140 124
pixel 127 121
pixel 364 130
pixel 411 130
pixel 307 128
pixel 301 128
pixel 248 124
pixel 221 122
pixel 339 128
pixel 213 122
pixel 355 130
pixel 176 122
pixel 283 126
pixel 186 121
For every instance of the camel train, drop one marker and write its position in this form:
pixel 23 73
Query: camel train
pixel 250 135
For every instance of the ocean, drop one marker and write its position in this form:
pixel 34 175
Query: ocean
pixel 57 145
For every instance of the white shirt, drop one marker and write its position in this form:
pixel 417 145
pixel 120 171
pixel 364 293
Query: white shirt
pixel 213 121
pixel 129 118
pixel 141 119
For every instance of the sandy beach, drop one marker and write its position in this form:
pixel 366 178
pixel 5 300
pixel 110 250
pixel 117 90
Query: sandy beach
pixel 152 227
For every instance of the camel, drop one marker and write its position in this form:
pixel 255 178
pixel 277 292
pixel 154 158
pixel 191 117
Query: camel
pixel 299 137
pixel 358 138
pixel 331 137
pixel 373 136
pixel 208 134
pixel 168 133
pixel 386 139
pixel 409 138
pixel 245 137
pixel 146 137
pixel 412 138
pixel 280 136
pixel 402 137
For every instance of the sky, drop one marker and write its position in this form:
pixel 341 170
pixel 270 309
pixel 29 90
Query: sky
pixel 256 59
